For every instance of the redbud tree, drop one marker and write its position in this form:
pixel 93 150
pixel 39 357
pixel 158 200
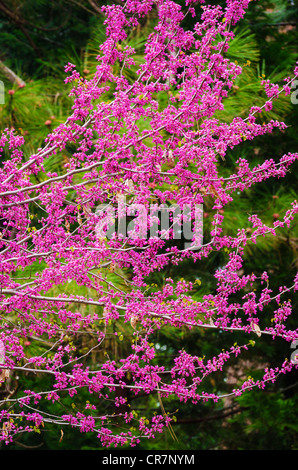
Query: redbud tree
pixel 78 247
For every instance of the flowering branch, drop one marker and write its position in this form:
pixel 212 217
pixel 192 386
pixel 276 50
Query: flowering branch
pixel 87 295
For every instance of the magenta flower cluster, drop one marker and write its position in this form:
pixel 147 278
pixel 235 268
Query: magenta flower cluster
pixel 61 283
